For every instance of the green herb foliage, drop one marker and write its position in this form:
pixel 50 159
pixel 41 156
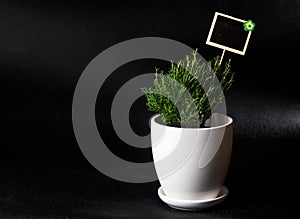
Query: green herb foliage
pixel 178 96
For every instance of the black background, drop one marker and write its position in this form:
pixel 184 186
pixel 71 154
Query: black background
pixel 45 46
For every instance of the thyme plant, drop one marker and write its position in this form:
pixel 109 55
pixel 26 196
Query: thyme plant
pixel 171 101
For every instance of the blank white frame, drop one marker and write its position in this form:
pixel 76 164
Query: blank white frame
pixel 241 52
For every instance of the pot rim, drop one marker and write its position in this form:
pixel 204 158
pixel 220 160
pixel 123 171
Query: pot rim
pixel 228 123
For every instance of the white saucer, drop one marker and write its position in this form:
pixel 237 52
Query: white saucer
pixel 192 205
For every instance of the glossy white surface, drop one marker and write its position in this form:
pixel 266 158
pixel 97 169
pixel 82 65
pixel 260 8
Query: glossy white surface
pixel 192 205
pixel 192 163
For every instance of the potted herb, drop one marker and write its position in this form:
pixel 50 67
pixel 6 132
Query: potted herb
pixel 191 146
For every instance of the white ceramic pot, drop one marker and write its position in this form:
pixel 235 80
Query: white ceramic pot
pixel 192 163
